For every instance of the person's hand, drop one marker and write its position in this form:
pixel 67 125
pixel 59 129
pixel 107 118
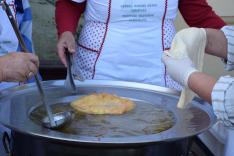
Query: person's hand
pixel 179 69
pixel 187 51
pixel 18 66
pixel 66 40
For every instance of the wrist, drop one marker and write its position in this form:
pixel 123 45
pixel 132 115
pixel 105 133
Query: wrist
pixel 202 84
pixel 216 43
pixel 67 32
pixel 192 79
pixel 188 76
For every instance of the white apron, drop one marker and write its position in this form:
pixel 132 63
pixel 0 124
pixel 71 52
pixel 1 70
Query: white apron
pixel 124 40
pixel 8 39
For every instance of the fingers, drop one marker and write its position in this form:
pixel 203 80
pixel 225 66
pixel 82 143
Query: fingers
pixel 61 53
pixel 21 74
pixel 21 78
pixel 32 68
pixel 71 46
pixel 66 40
pixel 32 63
pixel 29 71
pixel 34 59
pixel 30 75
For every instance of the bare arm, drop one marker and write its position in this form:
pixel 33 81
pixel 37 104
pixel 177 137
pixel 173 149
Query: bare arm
pixel 202 84
pixel 67 15
pixel 216 43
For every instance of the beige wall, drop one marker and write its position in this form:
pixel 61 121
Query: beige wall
pixel 225 9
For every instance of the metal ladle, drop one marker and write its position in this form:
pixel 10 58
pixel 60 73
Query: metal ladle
pixel 52 121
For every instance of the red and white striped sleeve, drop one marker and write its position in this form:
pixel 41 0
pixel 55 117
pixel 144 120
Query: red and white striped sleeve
pixel 223 91
pixel 229 34
pixel 223 100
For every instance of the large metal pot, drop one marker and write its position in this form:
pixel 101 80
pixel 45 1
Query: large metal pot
pixel 31 139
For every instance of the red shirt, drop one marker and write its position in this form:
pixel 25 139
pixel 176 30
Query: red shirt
pixel 67 15
pixel 197 13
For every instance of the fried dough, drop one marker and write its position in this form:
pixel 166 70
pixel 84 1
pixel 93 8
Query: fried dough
pixel 102 104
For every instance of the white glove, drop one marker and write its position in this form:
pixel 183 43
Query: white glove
pixel 179 69
pixel 187 46
pixel 187 51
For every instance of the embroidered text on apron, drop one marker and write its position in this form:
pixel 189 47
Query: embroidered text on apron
pixel 124 40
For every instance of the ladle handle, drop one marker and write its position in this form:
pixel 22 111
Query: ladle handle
pixel 24 49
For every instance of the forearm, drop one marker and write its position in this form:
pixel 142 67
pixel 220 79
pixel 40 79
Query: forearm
pixel 216 43
pixel 67 15
pixel 202 84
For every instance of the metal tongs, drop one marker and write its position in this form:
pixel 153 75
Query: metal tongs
pixel 52 121
pixel 69 82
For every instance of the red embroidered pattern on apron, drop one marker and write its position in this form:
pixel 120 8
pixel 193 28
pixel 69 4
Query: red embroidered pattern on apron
pixel 92 35
pixel 96 51
pixel 169 33
pixel 107 25
pixel 85 62
pixel 172 84
pixel 163 20
pixel 91 41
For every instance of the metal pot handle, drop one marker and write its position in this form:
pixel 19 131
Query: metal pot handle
pixel 7 144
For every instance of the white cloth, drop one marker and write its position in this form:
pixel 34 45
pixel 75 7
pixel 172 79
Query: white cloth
pixel 229 33
pixel 190 42
pixel 223 105
pixel 223 100
pixel 124 40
